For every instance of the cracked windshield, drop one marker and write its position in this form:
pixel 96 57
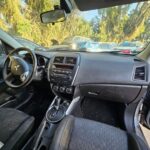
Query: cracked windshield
pixel 123 29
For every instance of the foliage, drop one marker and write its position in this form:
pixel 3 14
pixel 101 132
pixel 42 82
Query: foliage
pixel 118 23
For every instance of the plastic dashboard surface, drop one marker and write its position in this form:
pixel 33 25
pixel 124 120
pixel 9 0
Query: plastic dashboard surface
pixel 108 71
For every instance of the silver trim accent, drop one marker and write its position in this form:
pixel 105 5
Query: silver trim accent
pixel 48 70
pixel 1 144
pixel 93 93
pixel 39 136
pixel 71 106
pixel 137 117
pixel 75 76
pixel 7 103
pixel 52 104
pixel 43 127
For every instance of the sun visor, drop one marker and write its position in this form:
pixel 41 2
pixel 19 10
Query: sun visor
pixel 84 5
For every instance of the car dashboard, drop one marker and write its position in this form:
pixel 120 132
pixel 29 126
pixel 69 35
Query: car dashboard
pixel 106 76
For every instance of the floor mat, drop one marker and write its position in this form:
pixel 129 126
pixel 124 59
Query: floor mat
pixel 36 110
pixel 38 106
pixel 102 111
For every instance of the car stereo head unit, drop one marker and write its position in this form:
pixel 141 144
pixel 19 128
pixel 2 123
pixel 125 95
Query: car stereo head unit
pixel 62 72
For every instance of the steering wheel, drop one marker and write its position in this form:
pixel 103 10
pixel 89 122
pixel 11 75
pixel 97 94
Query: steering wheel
pixel 17 72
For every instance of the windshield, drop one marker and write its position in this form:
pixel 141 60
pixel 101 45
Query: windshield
pixel 29 44
pixel 130 44
pixel 122 29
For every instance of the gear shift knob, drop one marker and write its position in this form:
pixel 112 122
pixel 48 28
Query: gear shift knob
pixel 57 105
pixel 56 112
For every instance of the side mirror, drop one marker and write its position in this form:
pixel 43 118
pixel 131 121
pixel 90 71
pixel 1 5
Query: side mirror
pixel 53 16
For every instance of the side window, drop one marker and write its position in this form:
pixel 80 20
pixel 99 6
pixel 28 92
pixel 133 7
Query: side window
pixel 2 50
pixel 1 59
pixel 2 54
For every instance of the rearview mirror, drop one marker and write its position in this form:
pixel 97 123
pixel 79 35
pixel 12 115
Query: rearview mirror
pixel 53 16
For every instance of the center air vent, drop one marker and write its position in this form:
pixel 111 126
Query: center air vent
pixel 58 60
pixel 71 60
pixel 140 73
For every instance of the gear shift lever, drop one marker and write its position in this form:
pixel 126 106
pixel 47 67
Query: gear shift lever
pixel 58 100
pixel 56 111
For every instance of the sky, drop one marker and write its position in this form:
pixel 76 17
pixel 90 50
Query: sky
pixel 89 15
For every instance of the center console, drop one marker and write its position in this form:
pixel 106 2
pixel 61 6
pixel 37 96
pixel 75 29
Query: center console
pixel 55 113
pixel 62 71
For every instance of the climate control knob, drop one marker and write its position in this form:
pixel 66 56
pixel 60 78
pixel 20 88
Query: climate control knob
pixel 69 90
pixel 55 88
pixel 62 89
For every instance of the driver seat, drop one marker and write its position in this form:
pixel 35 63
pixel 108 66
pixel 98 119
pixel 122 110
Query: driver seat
pixel 15 128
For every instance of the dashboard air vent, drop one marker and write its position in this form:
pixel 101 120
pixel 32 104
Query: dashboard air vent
pixel 71 60
pixel 140 73
pixel 59 59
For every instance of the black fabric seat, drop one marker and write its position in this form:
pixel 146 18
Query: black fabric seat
pixel 15 128
pixel 82 134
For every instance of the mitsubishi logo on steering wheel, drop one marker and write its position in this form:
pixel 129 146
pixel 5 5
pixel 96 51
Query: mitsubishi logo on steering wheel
pixel 16 67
